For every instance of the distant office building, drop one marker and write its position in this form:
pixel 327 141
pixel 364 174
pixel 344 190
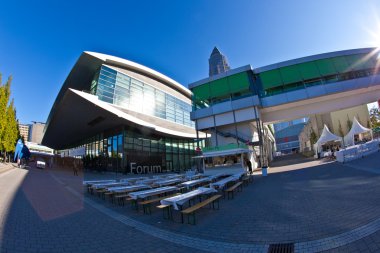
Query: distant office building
pixel 36 132
pixel 24 131
pixel 279 126
pixel 286 134
pixel 217 63
pixel 287 138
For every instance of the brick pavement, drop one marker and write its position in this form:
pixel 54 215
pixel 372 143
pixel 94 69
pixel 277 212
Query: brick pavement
pixel 4 167
pixel 329 206
pixel 299 205
pixel 29 225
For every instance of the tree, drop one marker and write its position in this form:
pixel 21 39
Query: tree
pixel 349 123
pixel 11 131
pixel 4 98
pixel 8 122
pixel 313 137
pixel 340 129
pixel 374 117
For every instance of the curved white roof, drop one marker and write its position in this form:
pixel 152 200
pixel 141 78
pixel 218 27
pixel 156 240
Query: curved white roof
pixel 140 68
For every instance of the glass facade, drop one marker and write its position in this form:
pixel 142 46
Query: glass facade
pixel 126 148
pixel 115 151
pixel 122 90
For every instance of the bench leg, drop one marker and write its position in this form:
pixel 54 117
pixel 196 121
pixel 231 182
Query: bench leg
pixel 147 210
pixel 188 218
pixel 167 211
pixel 213 204
pixel 134 204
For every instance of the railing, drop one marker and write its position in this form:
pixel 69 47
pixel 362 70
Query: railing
pixel 225 147
pixel 239 137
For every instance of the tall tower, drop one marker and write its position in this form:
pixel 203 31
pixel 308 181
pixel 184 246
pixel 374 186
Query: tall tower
pixel 217 63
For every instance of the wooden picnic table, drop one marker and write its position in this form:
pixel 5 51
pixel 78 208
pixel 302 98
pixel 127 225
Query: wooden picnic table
pixel 128 188
pixel 221 183
pixel 168 182
pixel 152 192
pixel 107 185
pixel 191 183
pixel 91 182
pixel 179 200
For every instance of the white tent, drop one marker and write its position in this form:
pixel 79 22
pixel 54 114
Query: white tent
pixel 356 128
pixel 326 136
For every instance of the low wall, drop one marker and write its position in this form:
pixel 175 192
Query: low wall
pixel 357 151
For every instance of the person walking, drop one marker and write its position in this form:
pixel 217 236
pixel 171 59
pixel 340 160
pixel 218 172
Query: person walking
pixel 249 165
pixel 75 168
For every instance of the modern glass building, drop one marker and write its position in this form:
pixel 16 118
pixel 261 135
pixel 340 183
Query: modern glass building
pixel 127 116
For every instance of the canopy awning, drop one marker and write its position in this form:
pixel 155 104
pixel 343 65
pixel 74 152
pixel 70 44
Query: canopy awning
pixel 327 136
pixel 356 128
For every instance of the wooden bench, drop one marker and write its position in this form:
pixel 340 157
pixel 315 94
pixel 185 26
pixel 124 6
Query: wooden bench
pixel 245 180
pixel 232 189
pixel 146 203
pixel 100 192
pixel 191 210
pixel 168 209
pixel 120 198
pixel 110 194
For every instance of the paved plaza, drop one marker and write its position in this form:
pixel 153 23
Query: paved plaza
pixel 319 206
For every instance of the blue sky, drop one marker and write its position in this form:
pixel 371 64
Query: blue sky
pixel 41 40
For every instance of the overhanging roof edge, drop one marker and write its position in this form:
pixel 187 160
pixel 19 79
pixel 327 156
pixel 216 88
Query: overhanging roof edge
pixel 314 57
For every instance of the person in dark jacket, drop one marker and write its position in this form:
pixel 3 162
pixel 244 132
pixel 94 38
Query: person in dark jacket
pixel 249 165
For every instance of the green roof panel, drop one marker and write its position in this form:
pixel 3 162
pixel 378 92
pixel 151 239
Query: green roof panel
pixel 290 74
pixel 239 82
pixel 219 87
pixel 326 67
pixel 202 92
pixel 270 79
pixel 341 64
pixel 361 61
pixel 308 70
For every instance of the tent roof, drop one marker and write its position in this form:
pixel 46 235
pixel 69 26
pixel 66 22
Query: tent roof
pixel 357 128
pixel 327 136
